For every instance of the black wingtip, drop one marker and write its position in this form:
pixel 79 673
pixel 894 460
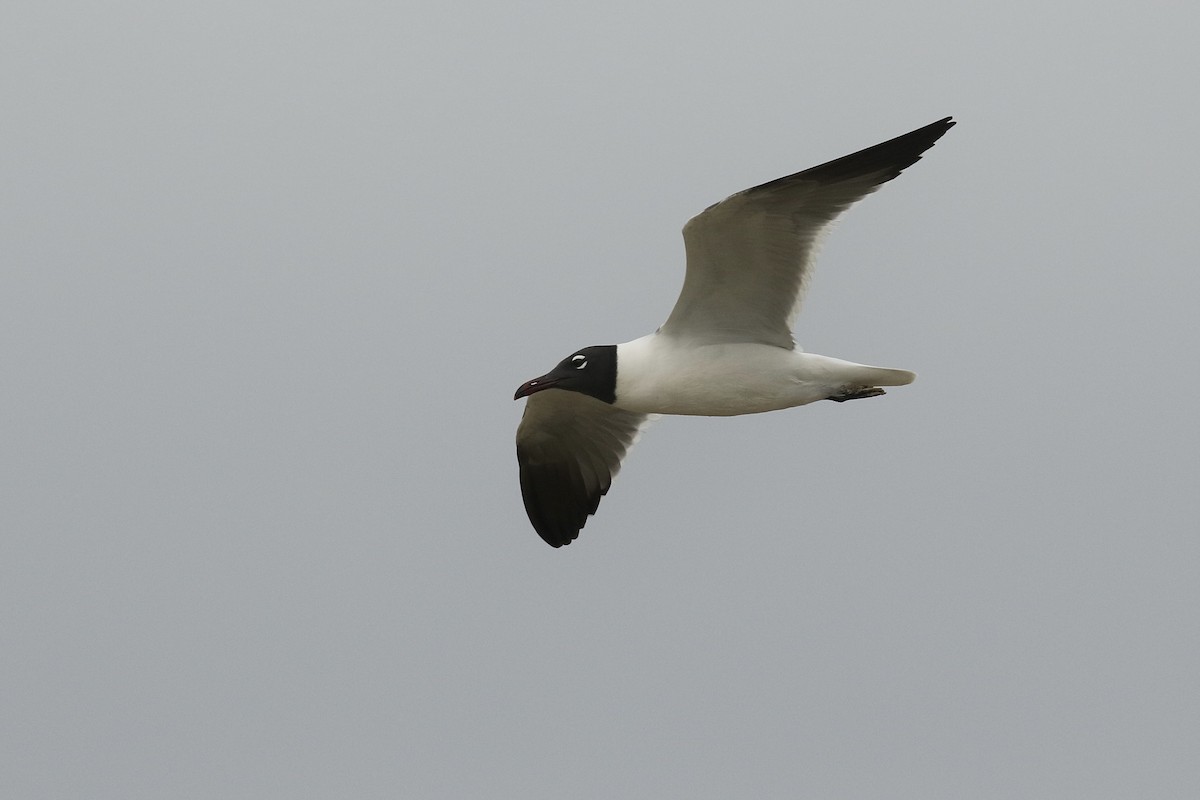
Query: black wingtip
pixel 892 156
pixel 551 493
pixel 883 161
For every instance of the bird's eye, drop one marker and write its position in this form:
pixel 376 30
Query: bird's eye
pixel 579 360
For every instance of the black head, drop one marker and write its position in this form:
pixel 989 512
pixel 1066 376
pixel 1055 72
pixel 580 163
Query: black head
pixel 591 371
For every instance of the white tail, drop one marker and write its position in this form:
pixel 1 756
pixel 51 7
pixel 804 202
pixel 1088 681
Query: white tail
pixel 882 376
pixel 864 375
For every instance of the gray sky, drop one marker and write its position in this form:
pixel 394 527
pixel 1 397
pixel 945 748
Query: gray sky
pixel 272 271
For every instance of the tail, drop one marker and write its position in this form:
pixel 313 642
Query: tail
pixel 863 381
pixel 882 376
pixel 863 375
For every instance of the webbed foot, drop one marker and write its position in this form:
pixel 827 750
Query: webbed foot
pixel 855 394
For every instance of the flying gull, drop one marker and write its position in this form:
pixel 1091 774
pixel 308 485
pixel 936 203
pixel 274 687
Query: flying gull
pixel 726 348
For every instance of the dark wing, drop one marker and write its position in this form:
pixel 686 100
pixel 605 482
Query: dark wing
pixel 749 257
pixel 569 448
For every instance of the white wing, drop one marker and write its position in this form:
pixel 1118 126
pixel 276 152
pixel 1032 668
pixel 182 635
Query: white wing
pixel 749 257
pixel 569 447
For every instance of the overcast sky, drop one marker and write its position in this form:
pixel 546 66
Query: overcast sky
pixel 272 271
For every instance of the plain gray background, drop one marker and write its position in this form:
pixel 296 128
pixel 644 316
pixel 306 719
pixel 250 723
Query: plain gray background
pixel 272 271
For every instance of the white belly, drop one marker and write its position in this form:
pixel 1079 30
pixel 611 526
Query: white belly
pixel 657 376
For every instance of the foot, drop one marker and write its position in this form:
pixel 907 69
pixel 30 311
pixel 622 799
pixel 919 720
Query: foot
pixel 855 394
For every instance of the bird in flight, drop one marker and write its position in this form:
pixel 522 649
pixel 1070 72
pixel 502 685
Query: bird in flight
pixel 726 348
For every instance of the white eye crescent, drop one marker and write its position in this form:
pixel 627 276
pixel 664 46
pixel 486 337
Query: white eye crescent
pixel 580 360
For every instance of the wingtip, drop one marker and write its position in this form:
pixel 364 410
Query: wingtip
pixel 885 160
pixel 945 124
pixel 939 128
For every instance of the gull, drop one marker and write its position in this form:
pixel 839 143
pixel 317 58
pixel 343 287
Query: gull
pixel 726 348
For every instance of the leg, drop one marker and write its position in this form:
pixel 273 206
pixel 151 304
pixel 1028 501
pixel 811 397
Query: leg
pixel 856 394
